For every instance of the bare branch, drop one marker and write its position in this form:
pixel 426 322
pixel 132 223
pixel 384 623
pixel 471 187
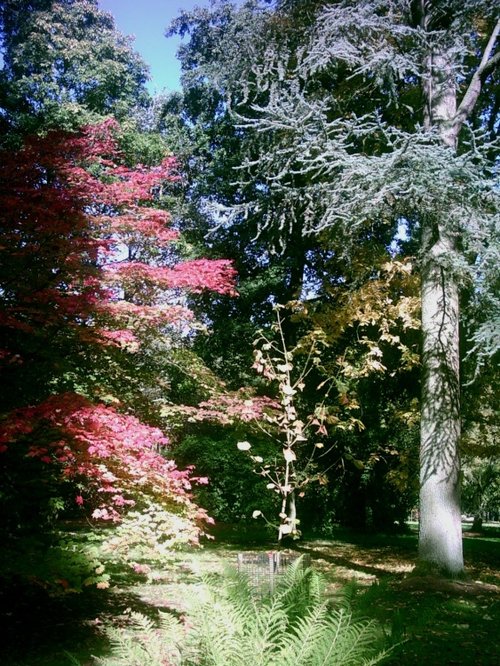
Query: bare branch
pixel 470 98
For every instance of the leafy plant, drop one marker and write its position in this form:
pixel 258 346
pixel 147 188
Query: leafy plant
pixel 61 563
pixel 230 623
pixel 290 369
pixel 71 212
pixel 146 645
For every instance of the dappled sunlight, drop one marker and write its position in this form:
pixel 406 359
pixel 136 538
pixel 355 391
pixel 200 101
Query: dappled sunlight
pixel 366 565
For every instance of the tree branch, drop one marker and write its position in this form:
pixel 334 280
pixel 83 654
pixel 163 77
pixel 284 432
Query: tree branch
pixel 470 98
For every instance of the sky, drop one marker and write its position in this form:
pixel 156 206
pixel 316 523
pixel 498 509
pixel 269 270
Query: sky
pixel 147 21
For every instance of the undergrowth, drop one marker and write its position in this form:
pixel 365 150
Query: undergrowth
pixel 230 623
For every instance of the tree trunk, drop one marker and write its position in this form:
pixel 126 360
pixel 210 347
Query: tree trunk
pixel 477 525
pixel 440 538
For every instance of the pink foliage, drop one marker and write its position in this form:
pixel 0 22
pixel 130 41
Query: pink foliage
pixel 228 408
pixel 69 214
pixel 195 276
pixel 114 457
pixel 69 202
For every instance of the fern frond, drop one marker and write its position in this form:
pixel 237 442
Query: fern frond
pixel 300 643
pixel 300 589
pixel 143 644
pixel 345 641
pixel 240 593
pixel 263 638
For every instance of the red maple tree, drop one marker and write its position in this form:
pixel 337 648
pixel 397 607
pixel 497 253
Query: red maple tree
pixel 82 258
pixel 69 211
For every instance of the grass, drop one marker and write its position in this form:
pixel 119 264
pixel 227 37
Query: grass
pixel 436 622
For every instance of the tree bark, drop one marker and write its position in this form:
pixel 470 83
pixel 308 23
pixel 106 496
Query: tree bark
pixel 440 538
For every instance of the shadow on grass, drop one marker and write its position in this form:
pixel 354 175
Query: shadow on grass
pixel 437 626
pixel 44 630
pixel 434 624
pixel 338 560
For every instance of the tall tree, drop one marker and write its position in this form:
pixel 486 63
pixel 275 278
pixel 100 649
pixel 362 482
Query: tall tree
pixel 445 113
pixel 379 114
pixel 64 65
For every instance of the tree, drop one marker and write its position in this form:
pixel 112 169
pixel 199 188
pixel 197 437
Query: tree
pixel 212 148
pixel 65 65
pixel 67 291
pixel 480 468
pixel 418 156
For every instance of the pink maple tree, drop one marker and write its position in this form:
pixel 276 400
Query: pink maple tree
pixel 113 460
pixel 82 255
pixel 69 212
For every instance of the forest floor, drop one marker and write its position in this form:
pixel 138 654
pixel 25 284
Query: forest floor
pixel 433 621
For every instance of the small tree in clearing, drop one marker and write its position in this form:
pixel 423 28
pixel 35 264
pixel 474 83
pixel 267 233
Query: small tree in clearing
pixel 293 470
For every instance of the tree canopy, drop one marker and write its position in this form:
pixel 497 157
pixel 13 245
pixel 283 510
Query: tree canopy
pixel 352 118
pixel 65 65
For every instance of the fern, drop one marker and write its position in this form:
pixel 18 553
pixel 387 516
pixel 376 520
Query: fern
pixel 300 645
pixel 231 625
pixel 300 589
pixel 145 645
pixel 346 641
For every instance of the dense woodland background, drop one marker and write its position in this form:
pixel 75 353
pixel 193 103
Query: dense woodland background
pixel 211 301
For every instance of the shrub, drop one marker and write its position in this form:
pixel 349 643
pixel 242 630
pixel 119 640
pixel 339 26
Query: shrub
pixel 234 491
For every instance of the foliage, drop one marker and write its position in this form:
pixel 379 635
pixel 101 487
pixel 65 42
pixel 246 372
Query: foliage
pixel 370 364
pixel 229 623
pixel 234 491
pixel 161 525
pixel 212 149
pixel 65 65
pixel 362 400
pixel 277 364
pixel 481 481
pixel 365 299
pixel 481 488
pixel 112 460
pixel 87 278
pixel 147 645
pixel 71 206
pixel 60 564
pixel 369 458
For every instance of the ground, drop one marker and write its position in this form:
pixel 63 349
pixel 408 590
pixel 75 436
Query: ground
pixel 433 621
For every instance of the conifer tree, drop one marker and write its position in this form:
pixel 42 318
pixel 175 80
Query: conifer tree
pixel 377 115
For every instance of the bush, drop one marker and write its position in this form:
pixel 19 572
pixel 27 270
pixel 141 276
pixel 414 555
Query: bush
pixel 234 490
